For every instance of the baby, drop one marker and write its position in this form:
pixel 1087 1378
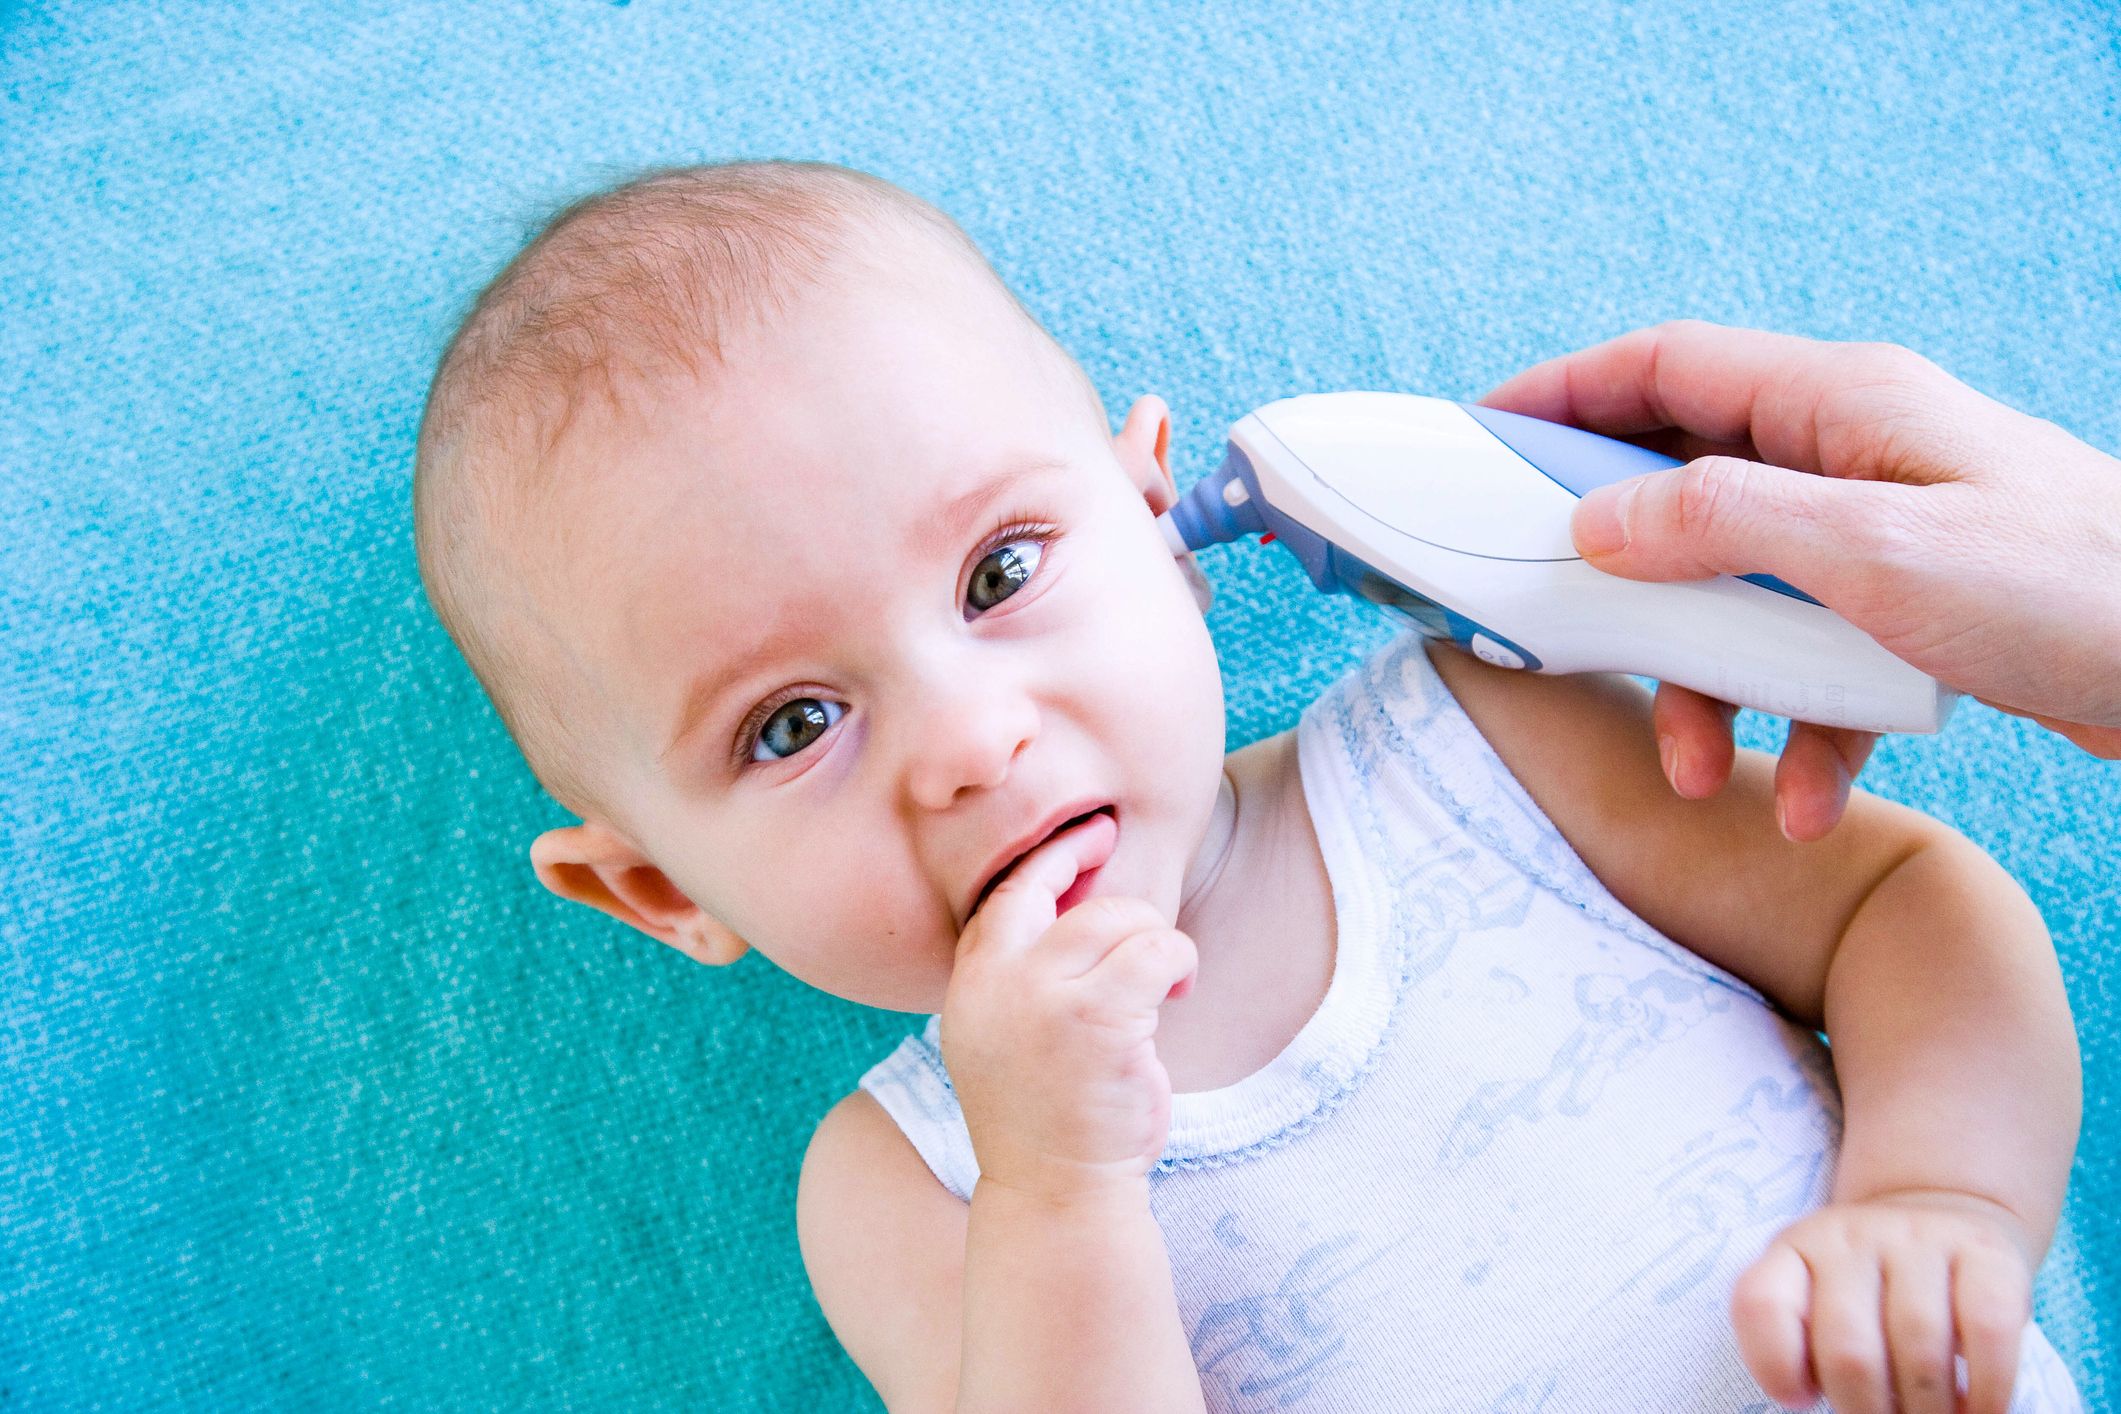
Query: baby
pixel 1430 1055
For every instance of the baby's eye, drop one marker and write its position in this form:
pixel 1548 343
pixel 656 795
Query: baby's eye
pixel 1003 572
pixel 793 726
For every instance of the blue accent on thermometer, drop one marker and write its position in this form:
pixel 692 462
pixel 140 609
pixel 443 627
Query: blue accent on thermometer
pixel 1584 461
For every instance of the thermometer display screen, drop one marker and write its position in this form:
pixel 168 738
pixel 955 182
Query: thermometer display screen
pixel 1425 614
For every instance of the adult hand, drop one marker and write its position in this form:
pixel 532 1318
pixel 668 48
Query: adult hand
pixel 1980 544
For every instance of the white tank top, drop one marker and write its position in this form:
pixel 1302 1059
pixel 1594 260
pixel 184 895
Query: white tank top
pixel 1522 1151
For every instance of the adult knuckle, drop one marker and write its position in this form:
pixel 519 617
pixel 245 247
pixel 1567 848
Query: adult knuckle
pixel 1887 364
pixel 1890 359
pixel 1709 492
pixel 1887 554
pixel 1889 409
pixel 1887 539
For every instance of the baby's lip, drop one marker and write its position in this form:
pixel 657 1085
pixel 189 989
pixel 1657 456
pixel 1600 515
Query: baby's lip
pixel 1052 823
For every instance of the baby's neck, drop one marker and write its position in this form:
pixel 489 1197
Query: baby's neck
pixel 1206 870
pixel 1259 909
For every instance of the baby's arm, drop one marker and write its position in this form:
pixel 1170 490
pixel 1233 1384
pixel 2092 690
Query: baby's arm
pixel 1937 985
pixel 1010 1303
pixel 1054 1290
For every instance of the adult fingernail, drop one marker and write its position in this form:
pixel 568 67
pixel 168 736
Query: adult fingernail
pixel 1668 752
pixel 1600 526
pixel 1782 819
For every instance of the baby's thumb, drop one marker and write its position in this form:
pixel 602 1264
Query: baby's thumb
pixel 1727 515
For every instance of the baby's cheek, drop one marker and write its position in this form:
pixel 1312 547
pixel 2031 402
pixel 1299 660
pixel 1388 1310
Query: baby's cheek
pixel 871 941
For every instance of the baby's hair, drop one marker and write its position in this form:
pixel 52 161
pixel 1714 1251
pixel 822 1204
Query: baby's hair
pixel 646 280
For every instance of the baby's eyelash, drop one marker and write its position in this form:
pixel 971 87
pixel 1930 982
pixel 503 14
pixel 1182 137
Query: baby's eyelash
pixel 1020 526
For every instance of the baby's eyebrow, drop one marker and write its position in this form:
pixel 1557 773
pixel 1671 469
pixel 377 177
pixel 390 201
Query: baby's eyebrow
pixel 704 689
pixel 937 536
pixel 940 533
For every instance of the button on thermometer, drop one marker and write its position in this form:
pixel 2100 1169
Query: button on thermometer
pixel 1455 518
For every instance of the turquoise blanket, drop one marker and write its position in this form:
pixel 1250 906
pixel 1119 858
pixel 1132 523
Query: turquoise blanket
pixel 313 1098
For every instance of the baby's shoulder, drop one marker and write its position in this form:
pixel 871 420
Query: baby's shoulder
pixel 857 1139
pixel 884 1246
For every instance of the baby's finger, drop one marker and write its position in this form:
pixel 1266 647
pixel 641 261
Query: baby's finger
pixel 1143 969
pixel 1918 1329
pixel 1991 1302
pixel 1848 1340
pixel 1024 904
pixel 1768 1309
pixel 1693 740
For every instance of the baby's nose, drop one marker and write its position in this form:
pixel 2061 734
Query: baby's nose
pixel 967 741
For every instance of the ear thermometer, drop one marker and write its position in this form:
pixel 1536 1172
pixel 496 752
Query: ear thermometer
pixel 1455 518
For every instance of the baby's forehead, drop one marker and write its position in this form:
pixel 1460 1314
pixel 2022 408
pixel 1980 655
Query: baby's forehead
pixel 876 399
pixel 872 405
pixel 742 528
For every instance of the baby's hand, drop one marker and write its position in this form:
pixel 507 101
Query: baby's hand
pixel 1861 1301
pixel 1048 1028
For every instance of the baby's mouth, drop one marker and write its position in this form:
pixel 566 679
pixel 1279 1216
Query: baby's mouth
pixel 1068 824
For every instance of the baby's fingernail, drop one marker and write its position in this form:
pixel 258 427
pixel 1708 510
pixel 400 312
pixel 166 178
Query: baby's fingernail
pixel 1600 526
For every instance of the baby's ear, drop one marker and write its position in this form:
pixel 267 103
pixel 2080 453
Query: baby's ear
pixel 1144 447
pixel 589 863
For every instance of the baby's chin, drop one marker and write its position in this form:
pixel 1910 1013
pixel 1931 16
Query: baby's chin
pixel 916 988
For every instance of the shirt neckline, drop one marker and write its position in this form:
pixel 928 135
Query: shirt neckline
pixel 1330 1051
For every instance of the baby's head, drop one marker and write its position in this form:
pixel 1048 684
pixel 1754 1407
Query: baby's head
pixel 803 565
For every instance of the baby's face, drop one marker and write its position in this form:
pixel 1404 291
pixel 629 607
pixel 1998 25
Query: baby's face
pixel 864 618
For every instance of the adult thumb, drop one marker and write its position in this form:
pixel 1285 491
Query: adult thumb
pixel 1726 515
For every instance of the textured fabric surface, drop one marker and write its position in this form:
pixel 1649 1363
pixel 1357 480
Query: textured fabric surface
pixel 1520 1154
pixel 312 1097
